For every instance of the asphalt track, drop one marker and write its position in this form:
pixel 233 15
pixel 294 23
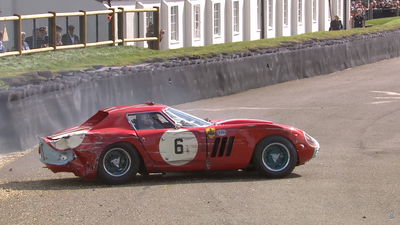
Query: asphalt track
pixel 355 179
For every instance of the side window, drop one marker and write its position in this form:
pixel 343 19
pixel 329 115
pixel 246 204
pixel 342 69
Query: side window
pixel 149 121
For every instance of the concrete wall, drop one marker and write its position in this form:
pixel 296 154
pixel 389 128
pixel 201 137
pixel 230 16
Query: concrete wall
pixel 36 110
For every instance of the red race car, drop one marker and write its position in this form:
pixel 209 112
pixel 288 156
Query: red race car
pixel 118 142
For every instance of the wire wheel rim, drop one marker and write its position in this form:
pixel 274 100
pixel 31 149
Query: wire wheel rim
pixel 276 157
pixel 117 162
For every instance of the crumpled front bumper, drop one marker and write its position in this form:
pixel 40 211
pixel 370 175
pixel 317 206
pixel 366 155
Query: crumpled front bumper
pixel 50 156
pixel 64 161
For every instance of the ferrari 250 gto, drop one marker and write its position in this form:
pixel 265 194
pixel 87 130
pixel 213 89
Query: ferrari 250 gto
pixel 117 143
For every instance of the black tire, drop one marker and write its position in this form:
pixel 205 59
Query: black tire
pixel 275 157
pixel 118 164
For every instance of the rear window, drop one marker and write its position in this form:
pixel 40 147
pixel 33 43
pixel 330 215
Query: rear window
pixel 97 118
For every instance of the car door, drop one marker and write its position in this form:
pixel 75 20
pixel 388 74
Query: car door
pixel 173 149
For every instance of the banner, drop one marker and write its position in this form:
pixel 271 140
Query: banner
pixel 5 34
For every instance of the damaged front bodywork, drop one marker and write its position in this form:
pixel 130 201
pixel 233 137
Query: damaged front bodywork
pixel 50 156
pixel 72 151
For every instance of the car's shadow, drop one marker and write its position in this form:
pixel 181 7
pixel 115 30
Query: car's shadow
pixel 141 181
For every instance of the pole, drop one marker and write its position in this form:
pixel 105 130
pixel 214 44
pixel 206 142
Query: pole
pixel 262 35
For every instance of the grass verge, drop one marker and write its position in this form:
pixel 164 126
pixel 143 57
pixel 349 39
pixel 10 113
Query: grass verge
pixel 78 59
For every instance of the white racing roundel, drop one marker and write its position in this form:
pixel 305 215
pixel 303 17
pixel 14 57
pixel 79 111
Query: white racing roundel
pixel 178 147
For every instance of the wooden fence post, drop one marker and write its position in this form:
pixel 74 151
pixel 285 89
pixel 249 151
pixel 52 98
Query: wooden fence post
pixel 157 27
pixel 17 34
pixel 53 30
pixel 83 28
pixel 121 26
pixel 113 26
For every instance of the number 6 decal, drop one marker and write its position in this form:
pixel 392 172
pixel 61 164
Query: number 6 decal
pixel 178 147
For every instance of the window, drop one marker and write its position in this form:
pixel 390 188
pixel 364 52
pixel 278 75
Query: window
pixel 149 18
pixel 270 13
pixel 196 21
pixel 259 14
pixel 184 119
pixel 148 121
pixel 285 12
pixel 314 10
pixel 217 18
pixel 150 24
pixel 300 12
pixel 236 16
pixel 174 23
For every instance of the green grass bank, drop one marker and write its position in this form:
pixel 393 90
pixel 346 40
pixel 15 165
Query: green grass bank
pixel 79 59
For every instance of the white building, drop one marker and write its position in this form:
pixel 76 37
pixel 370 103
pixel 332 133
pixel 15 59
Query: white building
pixel 252 24
pixel 172 17
pixel 311 16
pixel 200 22
pixel 215 22
pixel 283 18
pixel 143 20
pixel 194 22
pixel 234 20
pixel 324 15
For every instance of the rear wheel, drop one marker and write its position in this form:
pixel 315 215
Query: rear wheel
pixel 275 157
pixel 118 164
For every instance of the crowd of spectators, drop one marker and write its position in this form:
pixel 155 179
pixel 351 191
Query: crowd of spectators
pixel 360 10
pixel 374 4
pixel 40 38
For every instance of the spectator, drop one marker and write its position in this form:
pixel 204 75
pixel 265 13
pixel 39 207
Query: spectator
pixel 336 24
pixel 39 38
pixel 150 33
pixel 70 38
pixel 359 20
pixel 2 47
pixel 31 40
pixel 24 44
pixel 42 40
pixel 58 36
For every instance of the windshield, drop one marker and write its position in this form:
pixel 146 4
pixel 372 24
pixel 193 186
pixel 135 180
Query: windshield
pixel 185 119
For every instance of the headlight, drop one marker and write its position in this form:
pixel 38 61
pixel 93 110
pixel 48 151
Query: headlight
pixel 310 140
pixel 313 143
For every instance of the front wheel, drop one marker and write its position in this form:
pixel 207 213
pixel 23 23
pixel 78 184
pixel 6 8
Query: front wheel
pixel 118 164
pixel 275 157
